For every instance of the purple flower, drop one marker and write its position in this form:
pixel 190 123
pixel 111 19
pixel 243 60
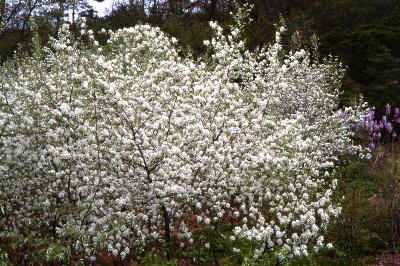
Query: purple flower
pixel 343 115
pixel 376 136
pixel 388 109
pixel 397 115
pixel 384 126
pixel 369 126
pixel 370 116
pixel 384 121
pixel 376 126
pixel 371 146
pixel 389 127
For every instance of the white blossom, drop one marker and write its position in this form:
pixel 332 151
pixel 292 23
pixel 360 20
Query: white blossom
pixel 119 141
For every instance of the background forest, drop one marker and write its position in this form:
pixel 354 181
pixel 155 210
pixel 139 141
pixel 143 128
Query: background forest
pixel 363 34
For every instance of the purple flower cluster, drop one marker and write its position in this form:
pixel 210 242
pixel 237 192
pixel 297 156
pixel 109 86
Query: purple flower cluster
pixel 382 131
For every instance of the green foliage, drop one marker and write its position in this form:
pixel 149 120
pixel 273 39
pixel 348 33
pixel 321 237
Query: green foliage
pixel 57 253
pixel 368 195
pixel 373 55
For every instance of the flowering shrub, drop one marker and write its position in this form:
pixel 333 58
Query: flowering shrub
pixel 129 145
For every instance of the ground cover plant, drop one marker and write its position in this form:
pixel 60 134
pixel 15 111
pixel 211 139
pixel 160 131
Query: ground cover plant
pixel 134 148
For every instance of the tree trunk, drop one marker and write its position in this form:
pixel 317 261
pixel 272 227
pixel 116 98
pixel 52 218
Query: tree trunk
pixel 167 231
pixel 59 16
pixel 74 9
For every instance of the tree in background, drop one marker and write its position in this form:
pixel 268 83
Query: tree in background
pixel 48 15
pixel 363 34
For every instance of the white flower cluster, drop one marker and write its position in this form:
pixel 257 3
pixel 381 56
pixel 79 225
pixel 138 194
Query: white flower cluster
pixel 118 146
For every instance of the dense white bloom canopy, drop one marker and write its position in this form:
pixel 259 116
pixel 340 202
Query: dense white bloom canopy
pixel 121 145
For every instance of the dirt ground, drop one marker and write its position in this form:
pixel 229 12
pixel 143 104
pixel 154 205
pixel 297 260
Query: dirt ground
pixel 387 259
